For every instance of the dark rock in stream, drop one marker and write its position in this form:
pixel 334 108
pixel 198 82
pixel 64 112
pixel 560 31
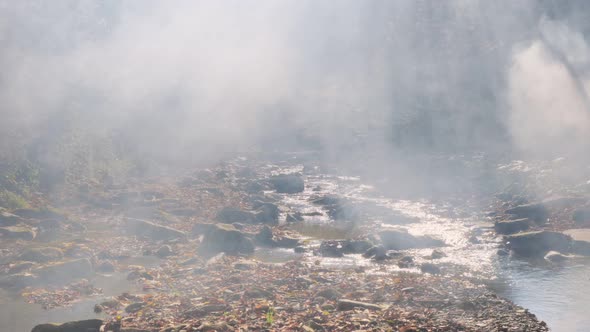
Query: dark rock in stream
pixel 506 227
pixel 287 183
pixel 535 211
pixel 338 248
pixel 151 230
pixel 226 238
pixel 538 243
pixel 230 215
pixel 88 325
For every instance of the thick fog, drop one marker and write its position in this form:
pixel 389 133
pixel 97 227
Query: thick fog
pixel 192 81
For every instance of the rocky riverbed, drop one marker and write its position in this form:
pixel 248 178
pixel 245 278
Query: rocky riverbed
pixel 250 245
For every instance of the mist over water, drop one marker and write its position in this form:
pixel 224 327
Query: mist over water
pixel 422 97
pixel 188 79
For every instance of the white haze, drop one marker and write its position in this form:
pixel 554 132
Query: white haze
pixel 198 80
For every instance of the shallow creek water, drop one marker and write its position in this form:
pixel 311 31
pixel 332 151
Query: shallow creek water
pixel 557 294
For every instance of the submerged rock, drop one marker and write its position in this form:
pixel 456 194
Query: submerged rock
pixel 151 230
pixel 226 238
pixel 538 243
pixel 88 325
pixel 534 211
pixel 338 248
pixel 230 215
pixel 287 183
pixel 511 226
pixel 399 240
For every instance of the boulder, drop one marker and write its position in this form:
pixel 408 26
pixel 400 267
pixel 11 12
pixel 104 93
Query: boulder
pixel 538 243
pixel 400 240
pixel 151 230
pixel 88 325
pixel 376 252
pixel 65 271
pixel 164 251
pixel 267 213
pixel 338 248
pixel 287 183
pixel 534 211
pixel 429 268
pixel 226 238
pixel 18 232
pixel 506 227
pixel 266 238
pixel 230 215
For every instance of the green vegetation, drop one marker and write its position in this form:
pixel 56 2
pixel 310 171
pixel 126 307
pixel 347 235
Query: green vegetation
pixel 270 316
pixel 12 201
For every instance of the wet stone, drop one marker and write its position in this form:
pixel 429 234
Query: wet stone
pixel 41 255
pixel 135 307
pixel 287 183
pixel 89 325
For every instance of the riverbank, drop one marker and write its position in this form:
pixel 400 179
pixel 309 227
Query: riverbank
pixel 189 250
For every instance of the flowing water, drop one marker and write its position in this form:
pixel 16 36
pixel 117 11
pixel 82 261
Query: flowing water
pixel 559 294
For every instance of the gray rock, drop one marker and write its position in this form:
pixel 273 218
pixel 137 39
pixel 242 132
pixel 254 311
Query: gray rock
pixel 164 251
pixel 230 215
pixel 538 243
pixel 88 325
pixel 226 238
pixel 506 227
pixel 344 305
pixel 429 268
pixel 534 211
pixel 287 183
pixel 437 254
pixel 267 213
pixel 151 230
pixel 399 240
pixel 376 252
pixel 134 307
